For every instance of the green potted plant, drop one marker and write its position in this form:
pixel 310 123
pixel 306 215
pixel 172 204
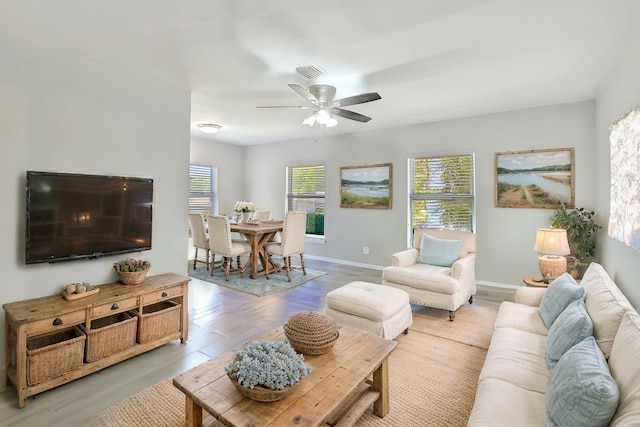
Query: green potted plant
pixel 581 233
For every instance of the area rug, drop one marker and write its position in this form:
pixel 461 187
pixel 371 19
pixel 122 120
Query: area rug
pixel 259 287
pixel 469 325
pixel 432 378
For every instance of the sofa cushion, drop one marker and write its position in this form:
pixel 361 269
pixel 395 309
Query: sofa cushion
pixel 625 369
pixel 499 403
pixel 559 295
pixel 423 276
pixel 606 305
pixel 572 326
pixel 520 316
pixel 442 252
pixel 581 391
pixel 518 358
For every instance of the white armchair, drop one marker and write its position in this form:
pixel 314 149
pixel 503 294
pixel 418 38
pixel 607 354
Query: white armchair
pixel 438 286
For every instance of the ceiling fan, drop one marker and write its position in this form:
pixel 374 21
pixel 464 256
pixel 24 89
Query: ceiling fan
pixel 323 106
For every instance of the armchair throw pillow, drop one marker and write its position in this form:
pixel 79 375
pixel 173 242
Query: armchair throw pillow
pixel 560 293
pixel 581 391
pixel 571 327
pixel 442 252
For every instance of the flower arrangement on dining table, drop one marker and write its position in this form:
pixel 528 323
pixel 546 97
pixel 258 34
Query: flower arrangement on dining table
pixel 242 206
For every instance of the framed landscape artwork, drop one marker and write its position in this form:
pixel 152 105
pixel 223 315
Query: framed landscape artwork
pixel 367 187
pixel 534 178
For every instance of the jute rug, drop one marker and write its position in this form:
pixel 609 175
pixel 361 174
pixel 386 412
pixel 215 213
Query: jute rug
pixel 433 376
pixel 260 286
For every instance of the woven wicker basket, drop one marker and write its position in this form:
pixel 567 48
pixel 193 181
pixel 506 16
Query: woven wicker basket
pixel 158 320
pixel 109 335
pixel 311 332
pixel 262 394
pixel 54 354
pixel 133 277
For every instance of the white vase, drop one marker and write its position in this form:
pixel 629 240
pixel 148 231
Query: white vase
pixel 245 216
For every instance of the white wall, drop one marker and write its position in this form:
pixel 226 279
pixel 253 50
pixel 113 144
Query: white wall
pixel 621 93
pixel 505 236
pixel 229 160
pixel 59 112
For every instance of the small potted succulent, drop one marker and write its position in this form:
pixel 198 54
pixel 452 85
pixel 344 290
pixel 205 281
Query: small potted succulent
pixel 132 271
pixel 267 371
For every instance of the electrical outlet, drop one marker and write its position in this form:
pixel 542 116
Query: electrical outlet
pixel 365 250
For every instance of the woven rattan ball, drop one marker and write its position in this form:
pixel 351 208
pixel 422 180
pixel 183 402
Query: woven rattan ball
pixel 310 332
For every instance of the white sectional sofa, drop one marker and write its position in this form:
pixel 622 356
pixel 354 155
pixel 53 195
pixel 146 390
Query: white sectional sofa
pixel 568 356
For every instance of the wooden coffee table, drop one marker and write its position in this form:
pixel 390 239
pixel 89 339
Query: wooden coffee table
pixel 342 385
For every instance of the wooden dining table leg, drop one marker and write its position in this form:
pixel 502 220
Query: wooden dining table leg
pixel 253 241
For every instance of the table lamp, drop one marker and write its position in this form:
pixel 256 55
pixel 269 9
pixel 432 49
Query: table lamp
pixel 551 245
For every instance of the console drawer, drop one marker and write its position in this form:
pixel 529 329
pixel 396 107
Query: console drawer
pixel 161 295
pixel 114 307
pixel 59 322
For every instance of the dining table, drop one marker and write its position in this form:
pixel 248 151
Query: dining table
pixel 258 233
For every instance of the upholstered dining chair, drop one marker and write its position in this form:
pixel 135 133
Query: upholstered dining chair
pixel 260 215
pixel 221 243
pixel 199 237
pixel 292 242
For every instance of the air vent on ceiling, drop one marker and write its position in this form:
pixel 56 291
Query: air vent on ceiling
pixel 309 71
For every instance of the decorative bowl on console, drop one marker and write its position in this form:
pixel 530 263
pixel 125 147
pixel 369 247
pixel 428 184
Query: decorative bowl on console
pixel 132 271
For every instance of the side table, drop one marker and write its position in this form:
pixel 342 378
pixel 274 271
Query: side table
pixel 534 281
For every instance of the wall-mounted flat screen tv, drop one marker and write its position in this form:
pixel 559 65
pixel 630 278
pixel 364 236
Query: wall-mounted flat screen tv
pixel 74 216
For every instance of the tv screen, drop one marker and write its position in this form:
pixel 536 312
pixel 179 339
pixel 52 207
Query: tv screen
pixel 74 216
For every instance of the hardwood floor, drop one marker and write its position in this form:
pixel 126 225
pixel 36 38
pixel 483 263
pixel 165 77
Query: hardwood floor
pixel 220 320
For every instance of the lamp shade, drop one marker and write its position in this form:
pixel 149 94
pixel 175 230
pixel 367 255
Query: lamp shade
pixel 551 241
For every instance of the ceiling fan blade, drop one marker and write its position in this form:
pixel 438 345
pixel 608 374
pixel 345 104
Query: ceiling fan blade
pixel 285 106
pixel 350 115
pixel 357 99
pixel 304 93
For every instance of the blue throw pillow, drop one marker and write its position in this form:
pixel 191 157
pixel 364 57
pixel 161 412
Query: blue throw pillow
pixel 442 252
pixel 581 391
pixel 571 327
pixel 559 295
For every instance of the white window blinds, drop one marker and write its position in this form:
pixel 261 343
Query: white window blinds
pixel 442 192
pixel 305 192
pixel 202 189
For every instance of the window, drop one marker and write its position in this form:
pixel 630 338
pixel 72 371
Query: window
pixel 442 192
pixel 202 189
pixel 305 192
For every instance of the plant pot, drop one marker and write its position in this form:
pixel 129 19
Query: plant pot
pixel 133 277
pixel 262 394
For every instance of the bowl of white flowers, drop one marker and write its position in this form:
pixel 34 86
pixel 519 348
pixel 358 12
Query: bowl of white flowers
pixel 267 371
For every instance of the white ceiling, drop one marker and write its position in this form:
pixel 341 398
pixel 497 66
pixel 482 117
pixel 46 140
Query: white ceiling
pixel 430 60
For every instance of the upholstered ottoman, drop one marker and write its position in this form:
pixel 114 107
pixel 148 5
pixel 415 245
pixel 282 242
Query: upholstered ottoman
pixel 381 310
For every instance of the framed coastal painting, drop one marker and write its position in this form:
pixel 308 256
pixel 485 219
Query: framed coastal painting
pixel 534 178
pixel 367 187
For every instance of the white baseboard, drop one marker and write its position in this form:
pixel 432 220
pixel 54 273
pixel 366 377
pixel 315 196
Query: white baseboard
pixel 378 267
pixel 497 285
pixel 343 262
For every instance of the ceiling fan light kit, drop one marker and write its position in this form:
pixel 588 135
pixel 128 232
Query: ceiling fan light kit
pixel 322 117
pixel 208 127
